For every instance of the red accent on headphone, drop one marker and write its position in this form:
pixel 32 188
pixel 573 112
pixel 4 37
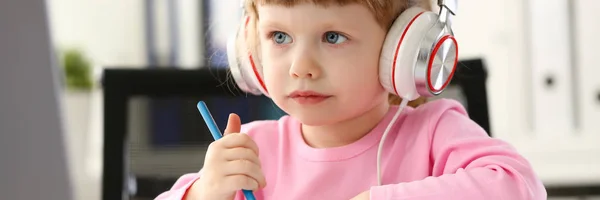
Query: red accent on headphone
pixel 398 48
pixel 254 69
pixel 435 49
pixel 262 84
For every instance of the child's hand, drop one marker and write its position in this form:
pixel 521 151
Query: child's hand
pixel 366 195
pixel 231 164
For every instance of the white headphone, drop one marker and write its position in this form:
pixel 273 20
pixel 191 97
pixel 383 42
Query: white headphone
pixel 418 58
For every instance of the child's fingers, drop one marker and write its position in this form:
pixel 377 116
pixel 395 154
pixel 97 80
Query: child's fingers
pixel 234 124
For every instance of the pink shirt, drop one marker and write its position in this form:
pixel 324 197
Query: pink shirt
pixel 433 152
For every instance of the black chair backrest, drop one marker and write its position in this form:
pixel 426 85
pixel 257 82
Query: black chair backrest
pixel 122 84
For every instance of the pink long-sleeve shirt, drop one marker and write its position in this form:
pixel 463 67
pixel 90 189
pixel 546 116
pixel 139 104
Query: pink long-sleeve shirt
pixel 432 152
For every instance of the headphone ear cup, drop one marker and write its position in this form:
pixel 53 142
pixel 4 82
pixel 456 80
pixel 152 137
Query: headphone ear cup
pixel 398 60
pixel 246 72
pixel 236 66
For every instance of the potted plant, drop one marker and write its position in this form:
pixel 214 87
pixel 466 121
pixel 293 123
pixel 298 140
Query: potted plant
pixel 79 100
pixel 77 70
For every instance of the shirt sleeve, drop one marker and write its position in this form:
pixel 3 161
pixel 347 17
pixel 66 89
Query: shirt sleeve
pixel 468 164
pixel 180 188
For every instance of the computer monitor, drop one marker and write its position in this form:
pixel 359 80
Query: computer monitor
pixel 32 149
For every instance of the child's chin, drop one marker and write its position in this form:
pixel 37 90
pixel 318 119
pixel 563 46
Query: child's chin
pixel 315 119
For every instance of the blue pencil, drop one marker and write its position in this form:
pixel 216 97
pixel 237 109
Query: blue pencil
pixel 216 133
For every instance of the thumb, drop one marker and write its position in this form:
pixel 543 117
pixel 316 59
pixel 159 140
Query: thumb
pixel 234 124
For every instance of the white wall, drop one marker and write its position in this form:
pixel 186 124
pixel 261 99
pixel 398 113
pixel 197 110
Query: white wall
pixel 109 31
pixel 112 33
pixel 495 33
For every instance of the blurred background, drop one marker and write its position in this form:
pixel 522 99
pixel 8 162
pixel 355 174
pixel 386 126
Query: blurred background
pixel 132 72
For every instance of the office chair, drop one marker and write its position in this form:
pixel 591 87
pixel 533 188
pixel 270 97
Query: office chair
pixel 122 84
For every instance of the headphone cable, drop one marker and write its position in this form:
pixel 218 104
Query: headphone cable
pixel 385 133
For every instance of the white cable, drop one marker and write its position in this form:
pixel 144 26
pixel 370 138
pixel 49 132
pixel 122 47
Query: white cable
pixel 385 133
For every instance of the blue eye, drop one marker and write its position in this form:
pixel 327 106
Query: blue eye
pixel 334 38
pixel 281 38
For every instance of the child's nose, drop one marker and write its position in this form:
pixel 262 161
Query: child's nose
pixel 304 75
pixel 305 67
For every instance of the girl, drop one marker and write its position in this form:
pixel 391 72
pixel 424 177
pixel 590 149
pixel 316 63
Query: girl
pixel 319 63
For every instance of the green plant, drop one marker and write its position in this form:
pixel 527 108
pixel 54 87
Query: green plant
pixel 77 69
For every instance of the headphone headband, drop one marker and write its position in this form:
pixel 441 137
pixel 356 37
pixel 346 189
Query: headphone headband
pixel 449 5
pixel 447 11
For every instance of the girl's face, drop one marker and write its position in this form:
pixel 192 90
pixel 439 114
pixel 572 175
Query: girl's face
pixel 329 53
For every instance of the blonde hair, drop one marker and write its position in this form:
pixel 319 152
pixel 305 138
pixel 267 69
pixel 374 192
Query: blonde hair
pixel 384 11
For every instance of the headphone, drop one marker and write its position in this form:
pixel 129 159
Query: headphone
pixel 419 55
